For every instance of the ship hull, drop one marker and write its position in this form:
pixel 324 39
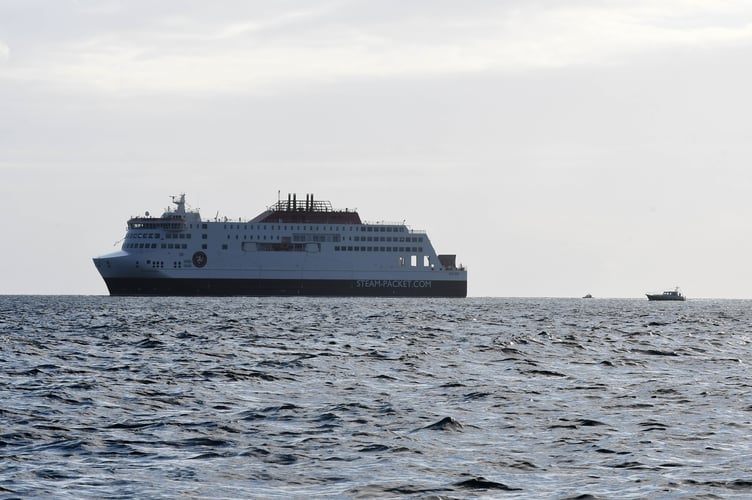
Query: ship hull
pixel 286 287
pixel 661 297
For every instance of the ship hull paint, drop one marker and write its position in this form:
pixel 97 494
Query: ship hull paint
pixel 277 287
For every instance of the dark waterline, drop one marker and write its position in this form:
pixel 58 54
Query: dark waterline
pixel 278 398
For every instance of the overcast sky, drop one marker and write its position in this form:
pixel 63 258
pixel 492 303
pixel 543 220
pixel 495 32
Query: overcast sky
pixel 558 148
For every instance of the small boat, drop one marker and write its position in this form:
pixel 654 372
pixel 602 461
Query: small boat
pixel 667 295
pixel 588 296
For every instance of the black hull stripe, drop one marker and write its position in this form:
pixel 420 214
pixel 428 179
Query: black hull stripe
pixel 332 288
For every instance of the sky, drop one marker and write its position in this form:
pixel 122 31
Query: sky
pixel 557 148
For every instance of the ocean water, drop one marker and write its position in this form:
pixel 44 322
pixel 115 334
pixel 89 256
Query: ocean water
pixel 105 397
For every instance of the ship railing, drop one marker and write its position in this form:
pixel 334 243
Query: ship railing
pixel 228 220
pixel 389 223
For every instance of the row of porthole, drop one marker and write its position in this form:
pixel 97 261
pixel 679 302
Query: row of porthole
pixel 158 264
pixel 308 238
pixel 271 227
pixel 378 249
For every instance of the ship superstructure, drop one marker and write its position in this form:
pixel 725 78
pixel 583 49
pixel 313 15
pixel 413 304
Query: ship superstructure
pixel 294 247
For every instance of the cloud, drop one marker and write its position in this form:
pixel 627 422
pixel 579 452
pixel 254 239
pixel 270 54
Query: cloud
pixel 262 51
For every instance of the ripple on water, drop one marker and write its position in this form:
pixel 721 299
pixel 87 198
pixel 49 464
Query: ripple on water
pixel 231 397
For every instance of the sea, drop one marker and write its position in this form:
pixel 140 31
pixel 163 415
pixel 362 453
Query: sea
pixel 171 397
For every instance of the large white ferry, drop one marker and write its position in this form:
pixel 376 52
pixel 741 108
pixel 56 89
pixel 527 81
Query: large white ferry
pixel 292 248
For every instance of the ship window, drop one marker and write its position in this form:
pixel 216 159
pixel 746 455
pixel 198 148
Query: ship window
pixel 370 249
pixel 426 261
pixel 349 249
pixel 154 245
pixel 164 245
pixel 224 247
pixel 401 261
pixel 203 246
pixel 204 236
pixel 414 261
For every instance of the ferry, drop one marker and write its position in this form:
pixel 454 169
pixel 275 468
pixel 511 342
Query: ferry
pixel 294 247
